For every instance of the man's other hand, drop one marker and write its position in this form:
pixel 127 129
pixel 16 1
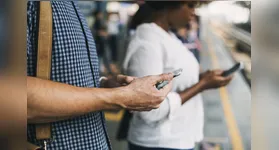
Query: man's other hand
pixel 117 81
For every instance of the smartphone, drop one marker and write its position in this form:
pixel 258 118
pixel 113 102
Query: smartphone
pixel 161 84
pixel 236 67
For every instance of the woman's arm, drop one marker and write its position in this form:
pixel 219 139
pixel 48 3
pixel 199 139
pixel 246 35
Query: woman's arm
pixel 208 80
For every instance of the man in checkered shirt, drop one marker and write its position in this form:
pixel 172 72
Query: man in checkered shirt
pixel 72 101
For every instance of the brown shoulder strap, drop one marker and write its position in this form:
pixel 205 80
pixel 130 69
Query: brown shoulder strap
pixel 43 131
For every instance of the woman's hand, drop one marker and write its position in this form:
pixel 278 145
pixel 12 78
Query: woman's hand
pixel 213 79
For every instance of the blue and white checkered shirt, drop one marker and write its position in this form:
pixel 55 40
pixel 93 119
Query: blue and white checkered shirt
pixel 74 62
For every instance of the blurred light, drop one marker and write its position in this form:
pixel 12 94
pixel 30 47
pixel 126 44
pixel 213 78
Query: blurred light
pixel 133 9
pixel 233 13
pixel 201 11
pixel 113 7
pixel 127 10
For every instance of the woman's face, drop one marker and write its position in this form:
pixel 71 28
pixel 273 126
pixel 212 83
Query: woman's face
pixel 181 16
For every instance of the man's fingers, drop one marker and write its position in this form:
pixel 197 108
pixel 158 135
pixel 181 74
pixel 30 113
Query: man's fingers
pixel 167 87
pixel 163 77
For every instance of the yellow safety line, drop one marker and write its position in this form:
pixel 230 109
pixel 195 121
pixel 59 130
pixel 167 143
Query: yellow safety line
pixel 114 116
pixel 236 138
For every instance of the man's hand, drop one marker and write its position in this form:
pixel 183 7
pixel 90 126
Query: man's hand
pixel 120 80
pixel 50 101
pixel 213 79
pixel 142 95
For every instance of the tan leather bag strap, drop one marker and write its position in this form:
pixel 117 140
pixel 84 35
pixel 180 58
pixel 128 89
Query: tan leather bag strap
pixel 43 131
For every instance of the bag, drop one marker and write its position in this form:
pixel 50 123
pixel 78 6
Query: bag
pixel 43 131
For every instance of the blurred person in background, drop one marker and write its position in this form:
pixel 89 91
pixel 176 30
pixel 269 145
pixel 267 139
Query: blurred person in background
pixel 113 26
pixel 178 123
pixel 3 37
pixel 193 36
pixel 113 31
pixel 72 101
pixel 101 38
pixel 183 35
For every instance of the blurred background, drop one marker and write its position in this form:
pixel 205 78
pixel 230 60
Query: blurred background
pixel 219 36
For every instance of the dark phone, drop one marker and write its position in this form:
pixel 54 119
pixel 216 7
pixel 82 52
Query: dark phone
pixel 235 68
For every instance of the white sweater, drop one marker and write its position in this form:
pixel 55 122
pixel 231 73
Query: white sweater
pixel 153 51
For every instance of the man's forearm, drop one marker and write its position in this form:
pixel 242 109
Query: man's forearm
pixel 191 92
pixel 49 101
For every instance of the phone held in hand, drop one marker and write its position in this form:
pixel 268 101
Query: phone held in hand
pixel 161 84
pixel 236 67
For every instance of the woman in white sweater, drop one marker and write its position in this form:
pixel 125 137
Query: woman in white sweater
pixel 178 123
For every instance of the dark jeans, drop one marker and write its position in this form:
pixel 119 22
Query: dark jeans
pixel 136 147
